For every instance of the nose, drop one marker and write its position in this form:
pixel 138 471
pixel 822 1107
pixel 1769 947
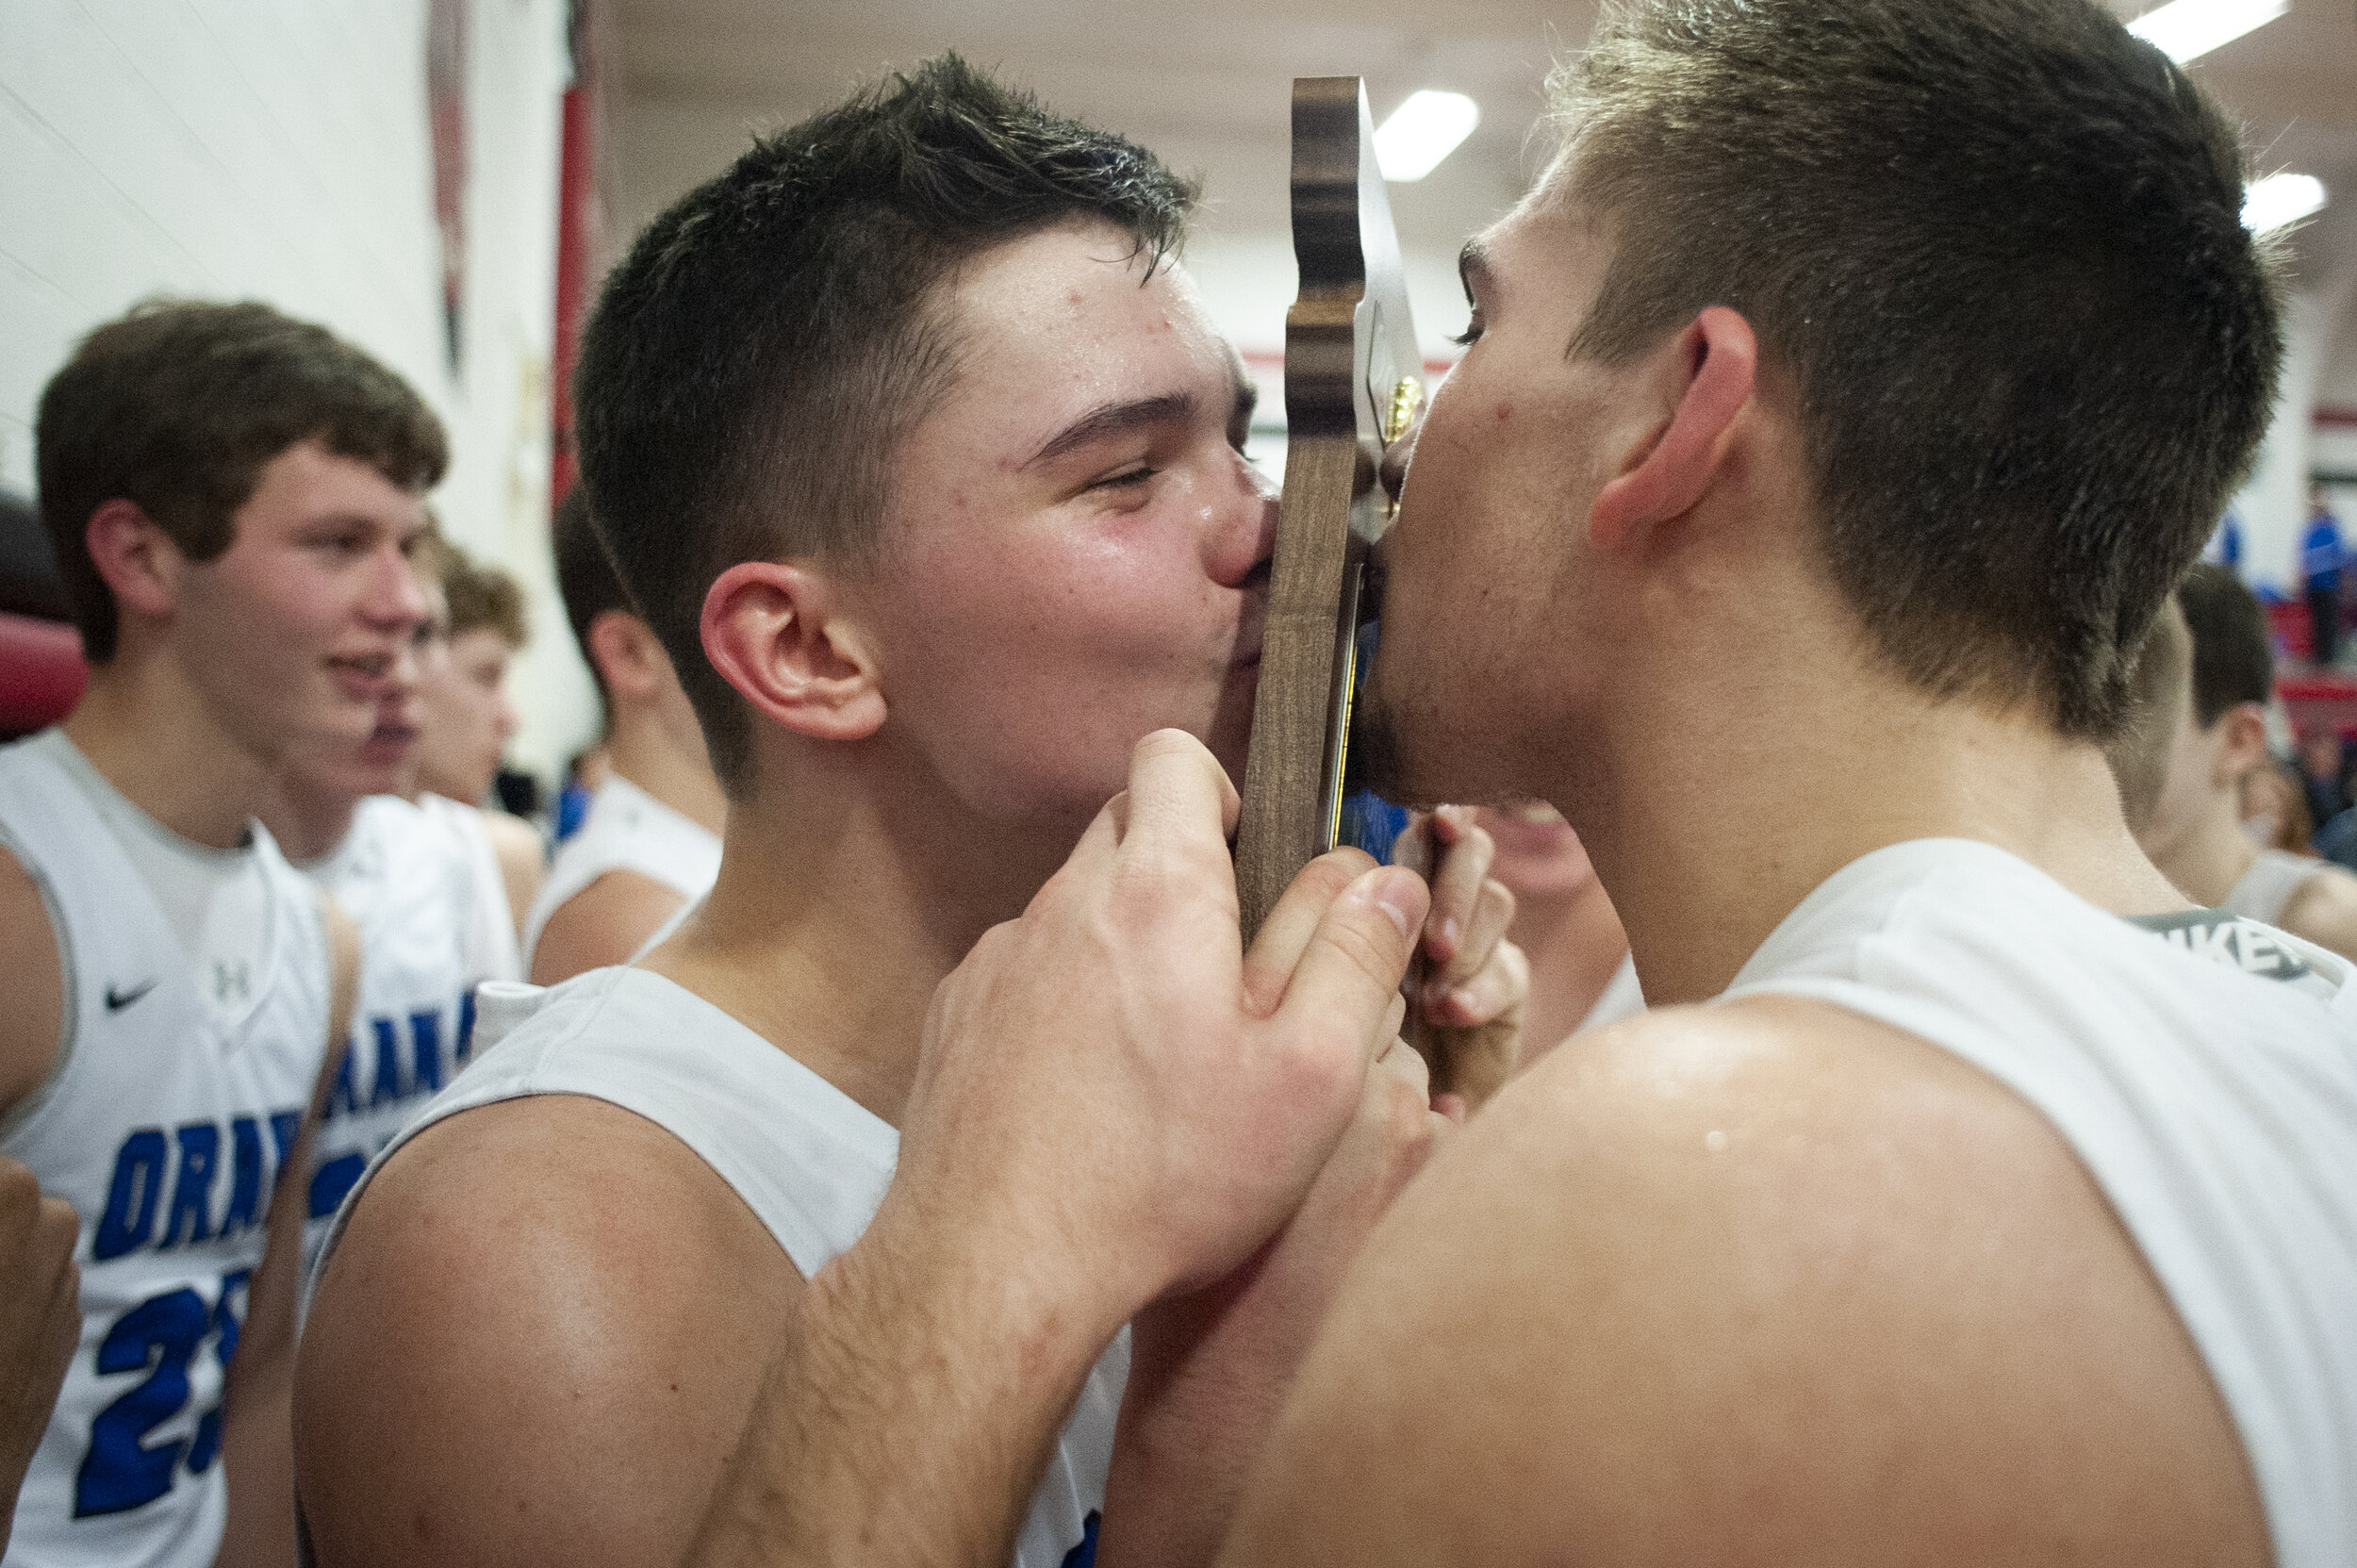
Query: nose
pixel 1245 539
pixel 503 717
pixel 398 601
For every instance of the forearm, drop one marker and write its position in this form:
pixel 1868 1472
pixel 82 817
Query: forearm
pixel 907 1416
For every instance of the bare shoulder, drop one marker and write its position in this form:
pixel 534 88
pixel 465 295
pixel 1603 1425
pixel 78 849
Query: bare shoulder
pixel 1764 1281
pixel 523 862
pixel 2324 911
pixel 604 923
pixel 536 1343
pixel 34 1019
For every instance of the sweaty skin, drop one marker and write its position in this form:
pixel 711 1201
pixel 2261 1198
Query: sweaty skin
pixel 502 1364
pixel 1761 1281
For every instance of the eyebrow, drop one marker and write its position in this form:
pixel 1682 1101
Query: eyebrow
pixel 1114 419
pixel 1473 265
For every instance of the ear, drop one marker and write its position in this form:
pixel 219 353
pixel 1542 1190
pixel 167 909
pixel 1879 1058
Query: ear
pixel 768 630
pixel 1710 371
pixel 2240 744
pixel 625 652
pixel 138 560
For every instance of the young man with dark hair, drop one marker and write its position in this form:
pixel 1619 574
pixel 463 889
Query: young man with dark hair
pixel 651 844
pixel 232 497
pixel 1938 1212
pixel 921 456
pixel 466 721
pixel 2211 674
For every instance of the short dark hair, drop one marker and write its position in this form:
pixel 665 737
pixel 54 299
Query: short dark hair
pixel 1998 247
pixel 2233 660
pixel 754 362
pixel 483 596
pixel 179 405
pixel 585 573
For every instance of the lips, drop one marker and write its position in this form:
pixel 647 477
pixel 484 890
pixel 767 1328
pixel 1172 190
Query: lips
pixel 360 676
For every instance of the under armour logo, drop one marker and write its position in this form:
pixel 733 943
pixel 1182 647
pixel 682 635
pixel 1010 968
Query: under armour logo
pixel 230 983
pixel 118 1001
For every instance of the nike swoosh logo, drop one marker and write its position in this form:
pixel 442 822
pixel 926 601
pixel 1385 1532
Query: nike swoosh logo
pixel 118 1001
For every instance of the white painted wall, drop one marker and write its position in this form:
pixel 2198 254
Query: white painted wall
pixel 278 150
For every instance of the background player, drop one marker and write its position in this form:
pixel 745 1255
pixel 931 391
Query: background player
pixel 1010 533
pixel 466 721
pixel 431 917
pixel 651 844
pixel 2207 675
pixel 231 498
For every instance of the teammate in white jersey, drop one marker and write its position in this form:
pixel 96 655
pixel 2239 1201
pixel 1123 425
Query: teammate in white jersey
pixel 1851 393
pixel 651 844
pixel 431 914
pixel 2206 679
pixel 232 497
pixel 927 599
pixel 478 628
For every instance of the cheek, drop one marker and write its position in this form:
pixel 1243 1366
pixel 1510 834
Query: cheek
pixel 1027 697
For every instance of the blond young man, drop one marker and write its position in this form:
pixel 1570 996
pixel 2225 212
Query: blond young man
pixel 466 720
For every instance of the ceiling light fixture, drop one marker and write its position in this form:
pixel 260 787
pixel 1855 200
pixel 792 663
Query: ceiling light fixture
pixel 2280 199
pixel 2186 30
pixel 1423 131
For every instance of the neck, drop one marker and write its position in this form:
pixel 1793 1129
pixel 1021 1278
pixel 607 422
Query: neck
pixel 643 751
pixel 1826 759
pixel 308 825
pixel 844 898
pixel 152 736
pixel 2211 856
pixel 1575 943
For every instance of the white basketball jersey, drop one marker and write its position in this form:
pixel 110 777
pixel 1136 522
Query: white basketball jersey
pixel 2204 1070
pixel 809 1160
pixel 418 898
pixel 165 1126
pixel 493 929
pixel 627 830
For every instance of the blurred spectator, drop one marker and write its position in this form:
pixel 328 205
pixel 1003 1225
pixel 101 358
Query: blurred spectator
pixel 2324 773
pixel 2275 811
pixel 2321 557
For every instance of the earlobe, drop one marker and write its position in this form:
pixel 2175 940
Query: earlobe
pixel 1716 366
pixel 768 630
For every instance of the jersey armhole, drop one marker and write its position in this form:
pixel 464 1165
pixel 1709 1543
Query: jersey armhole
pixel 69 1001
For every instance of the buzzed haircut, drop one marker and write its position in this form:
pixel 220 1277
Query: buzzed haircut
pixel 1997 246
pixel 483 596
pixel 2234 662
pixel 585 573
pixel 755 363
pixel 178 407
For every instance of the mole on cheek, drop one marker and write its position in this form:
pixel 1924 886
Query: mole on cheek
pixel 1506 411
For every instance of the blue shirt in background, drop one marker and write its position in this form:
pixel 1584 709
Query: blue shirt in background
pixel 2321 554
